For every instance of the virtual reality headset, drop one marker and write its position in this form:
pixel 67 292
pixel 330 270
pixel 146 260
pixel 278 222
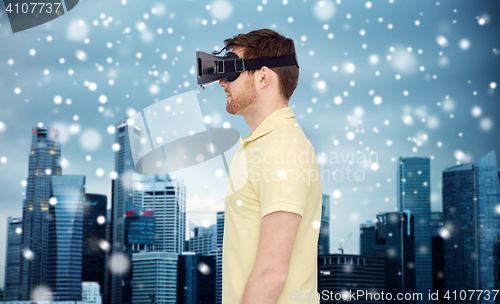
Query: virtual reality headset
pixel 212 69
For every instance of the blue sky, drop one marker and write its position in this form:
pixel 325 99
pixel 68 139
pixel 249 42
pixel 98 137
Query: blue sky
pixel 396 78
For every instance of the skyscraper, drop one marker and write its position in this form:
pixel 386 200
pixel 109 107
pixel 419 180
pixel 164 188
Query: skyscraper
pixel 155 276
pixel 121 194
pixel 195 279
pixel 204 240
pixel 139 230
pixel 94 231
pixel 438 256
pixel 392 238
pixel 139 237
pixel 220 239
pixel 44 162
pixel 13 258
pixel 167 198
pixel 64 261
pixel 413 193
pixel 471 196
pixel 370 243
pixel 324 231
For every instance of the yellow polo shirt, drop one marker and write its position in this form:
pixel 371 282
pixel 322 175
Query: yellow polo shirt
pixel 282 175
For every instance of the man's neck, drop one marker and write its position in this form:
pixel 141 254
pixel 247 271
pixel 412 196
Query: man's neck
pixel 255 118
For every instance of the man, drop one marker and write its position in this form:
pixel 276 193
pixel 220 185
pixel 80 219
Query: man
pixel 272 222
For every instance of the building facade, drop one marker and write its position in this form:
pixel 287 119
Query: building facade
pixel 342 274
pixel 64 264
pixel 94 231
pixel 324 231
pixel 438 278
pixel 167 198
pixel 220 241
pixel 471 196
pixel 155 278
pixel 121 194
pixel 44 162
pixel 91 292
pixel 195 279
pixel 392 239
pixel 413 193
pixel 204 241
pixel 13 258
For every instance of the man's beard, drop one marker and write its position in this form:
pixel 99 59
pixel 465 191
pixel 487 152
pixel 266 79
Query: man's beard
pixel 244 99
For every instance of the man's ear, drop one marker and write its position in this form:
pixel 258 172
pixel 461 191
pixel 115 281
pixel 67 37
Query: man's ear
pixel 264 77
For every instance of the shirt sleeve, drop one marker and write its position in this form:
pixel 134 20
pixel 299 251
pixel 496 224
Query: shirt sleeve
pixel 284 181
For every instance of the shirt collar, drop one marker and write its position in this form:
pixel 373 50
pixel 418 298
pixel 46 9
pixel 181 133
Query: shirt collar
pixel 269 124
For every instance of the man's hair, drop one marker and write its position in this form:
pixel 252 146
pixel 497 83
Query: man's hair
pixel 268 43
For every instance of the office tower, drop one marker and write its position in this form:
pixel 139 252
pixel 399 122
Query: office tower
pixel 139 236
pixel 139 230
pixel 438 256
pixel 392 238
pixel 195 279
pixel 121 194
pixel 13 258
pixel 413 193
pixel 64 263
pixel 220 239
pixel 109 240
pixel 204 241
pixel 155 277
pixel 167 198
pixel 340 273
pixel 369 243
pixel 94 232
pixel 44 162
pixel 471 196
pixel 91 292
pixel 324 231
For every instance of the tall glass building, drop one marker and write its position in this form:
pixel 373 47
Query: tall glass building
pixel 139 230
pixel 64 265
pixel 122 189
pixel 392 238
pixel 139 236
pixel 155 276
pixel 471 199
pixel 413 193
pixel 438 256
pixel 13 258
pixel 44 162
pixel 324 231
pixel 195 279
pixel 220 241
pixel 94 231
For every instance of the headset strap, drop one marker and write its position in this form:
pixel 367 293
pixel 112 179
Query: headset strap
pixel 241 64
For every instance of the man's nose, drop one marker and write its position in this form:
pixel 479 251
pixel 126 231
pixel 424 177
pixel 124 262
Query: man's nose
pixel 223 83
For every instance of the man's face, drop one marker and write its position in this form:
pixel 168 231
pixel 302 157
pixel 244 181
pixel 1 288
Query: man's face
pixel 241 92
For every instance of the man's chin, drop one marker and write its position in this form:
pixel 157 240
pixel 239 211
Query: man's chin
pixel 230 109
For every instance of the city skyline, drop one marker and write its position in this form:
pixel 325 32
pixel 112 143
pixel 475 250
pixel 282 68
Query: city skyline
pixel 67 197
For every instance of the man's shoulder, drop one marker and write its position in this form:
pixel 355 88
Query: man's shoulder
pixel 290 133
pixel 287 137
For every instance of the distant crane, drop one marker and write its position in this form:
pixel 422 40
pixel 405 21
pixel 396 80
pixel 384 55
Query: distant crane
pixel 340 245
